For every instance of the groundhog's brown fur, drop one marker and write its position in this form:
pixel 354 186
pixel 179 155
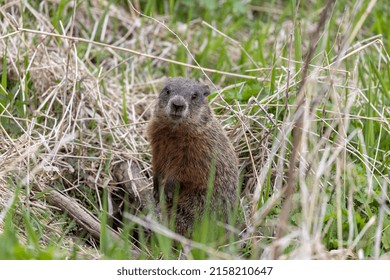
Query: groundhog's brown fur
pixel 187 144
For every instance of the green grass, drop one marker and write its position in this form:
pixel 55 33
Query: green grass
pixel 51 87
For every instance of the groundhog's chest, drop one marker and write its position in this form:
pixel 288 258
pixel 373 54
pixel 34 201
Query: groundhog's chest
pixel 184 156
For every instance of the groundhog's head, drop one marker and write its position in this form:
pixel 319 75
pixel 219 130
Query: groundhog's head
pixel 183 100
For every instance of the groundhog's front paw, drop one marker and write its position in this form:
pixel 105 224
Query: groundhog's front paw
pixel 170 188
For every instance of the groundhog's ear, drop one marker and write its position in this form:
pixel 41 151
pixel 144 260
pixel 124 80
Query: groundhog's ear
pixel 206 90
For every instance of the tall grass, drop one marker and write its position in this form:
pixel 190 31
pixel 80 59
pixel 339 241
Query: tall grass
pixel 77 84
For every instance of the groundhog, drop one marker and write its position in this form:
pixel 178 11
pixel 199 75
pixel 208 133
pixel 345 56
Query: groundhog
pixel 190 154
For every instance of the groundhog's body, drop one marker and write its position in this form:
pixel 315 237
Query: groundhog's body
pixel 187 144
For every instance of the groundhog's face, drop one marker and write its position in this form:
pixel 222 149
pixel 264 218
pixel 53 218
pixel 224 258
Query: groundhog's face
pixel 183 99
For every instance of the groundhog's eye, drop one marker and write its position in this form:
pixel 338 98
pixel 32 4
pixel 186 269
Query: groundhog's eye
pixel 194 96
pixel 167 91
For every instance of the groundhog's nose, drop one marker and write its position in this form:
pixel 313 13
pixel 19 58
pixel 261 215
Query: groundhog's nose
pixel 178 105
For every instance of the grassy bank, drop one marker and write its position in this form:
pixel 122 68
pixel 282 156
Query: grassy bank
pixel 305 102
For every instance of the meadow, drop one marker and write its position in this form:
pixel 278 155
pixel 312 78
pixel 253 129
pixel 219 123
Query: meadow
pixel 302 89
